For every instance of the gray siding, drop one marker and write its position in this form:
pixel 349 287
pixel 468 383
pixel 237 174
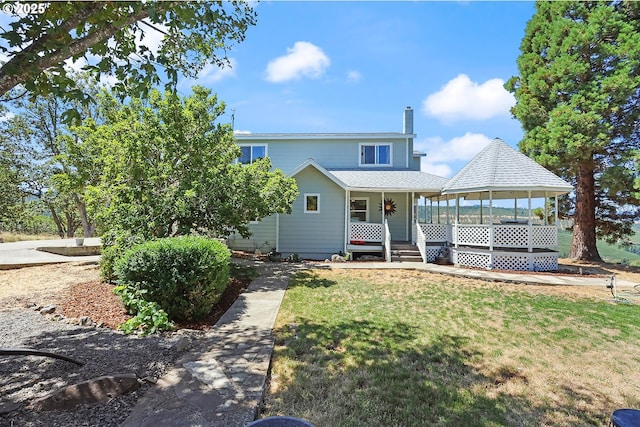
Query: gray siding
pixel 314 235
pixel 330 153
pixel 263 237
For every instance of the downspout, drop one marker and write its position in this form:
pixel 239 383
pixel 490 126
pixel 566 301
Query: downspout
pixel 347 209
pixel 277 232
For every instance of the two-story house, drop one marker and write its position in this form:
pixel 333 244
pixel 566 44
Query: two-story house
pixel 359 193
pixel 343 179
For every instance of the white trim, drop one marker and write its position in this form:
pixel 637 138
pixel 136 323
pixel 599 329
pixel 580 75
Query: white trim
pixel 376 145
pixel 304 200
pixel 319 136
pixel 310 162
pixel 266 151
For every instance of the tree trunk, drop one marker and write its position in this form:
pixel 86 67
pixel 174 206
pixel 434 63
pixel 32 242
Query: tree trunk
pixel 57 220
pixel 583 245
pixel 88 227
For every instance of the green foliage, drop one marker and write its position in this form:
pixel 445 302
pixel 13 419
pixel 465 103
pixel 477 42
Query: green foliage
pixel 184 275
pixel 114 245
pixel 577 99
pixel 168 169
pixel 195 34
pixel 149 317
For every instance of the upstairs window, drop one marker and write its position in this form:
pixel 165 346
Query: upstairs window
pixel 375 154
pixel 251 153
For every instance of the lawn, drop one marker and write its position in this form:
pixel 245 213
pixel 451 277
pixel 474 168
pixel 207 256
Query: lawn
pixel 407 348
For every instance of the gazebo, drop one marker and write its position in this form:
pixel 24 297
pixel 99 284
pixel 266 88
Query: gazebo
pixel 499 172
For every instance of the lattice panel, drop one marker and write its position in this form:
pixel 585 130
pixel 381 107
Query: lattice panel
pixel 544 236
pixel 468 259
pixel 435 232
pixel 366 232
pixel 473 235
pixel 514 236
pixel 545 263
pixel 511 262
pixel 432 254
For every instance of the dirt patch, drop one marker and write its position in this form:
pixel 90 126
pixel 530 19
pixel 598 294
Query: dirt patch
pixel 624 272
pixel 76 290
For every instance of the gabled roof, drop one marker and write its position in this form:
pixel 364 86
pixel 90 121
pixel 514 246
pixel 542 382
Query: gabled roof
pixel 390 180
pixel 378 179
pixel 507 174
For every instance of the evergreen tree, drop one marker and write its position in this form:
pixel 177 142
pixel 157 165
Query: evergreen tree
pixel 578 99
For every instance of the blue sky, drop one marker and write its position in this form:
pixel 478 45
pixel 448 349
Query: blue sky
pixel 334 66
pixel 354 66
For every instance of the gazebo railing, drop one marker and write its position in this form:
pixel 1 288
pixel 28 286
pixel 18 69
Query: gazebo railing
pixel 520 236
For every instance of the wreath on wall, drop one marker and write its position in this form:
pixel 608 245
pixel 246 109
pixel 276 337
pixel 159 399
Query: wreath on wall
pixel 389 207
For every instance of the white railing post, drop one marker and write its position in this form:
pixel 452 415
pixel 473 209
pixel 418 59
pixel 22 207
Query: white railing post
pixel 387 241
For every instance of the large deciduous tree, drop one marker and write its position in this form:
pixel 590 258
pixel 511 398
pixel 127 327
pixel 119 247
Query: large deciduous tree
pixel 114 37
pixel 169 169
pixel 578 99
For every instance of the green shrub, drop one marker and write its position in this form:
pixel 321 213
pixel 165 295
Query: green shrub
pixel 114 245
pixel 185 276
pixel 149 317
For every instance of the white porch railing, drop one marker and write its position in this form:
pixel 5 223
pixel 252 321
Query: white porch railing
pixel 506 236
pixel 421 242
pixel 436 232
pixel 366 232
pixel 387 242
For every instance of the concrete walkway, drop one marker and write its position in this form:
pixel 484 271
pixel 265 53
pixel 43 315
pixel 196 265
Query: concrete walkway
pixel 510 277
pixel 221 383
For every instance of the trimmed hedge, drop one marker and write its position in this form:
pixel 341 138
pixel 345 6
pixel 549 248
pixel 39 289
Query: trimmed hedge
pixel 185 275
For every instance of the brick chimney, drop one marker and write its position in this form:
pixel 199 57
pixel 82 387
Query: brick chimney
pixel 407 125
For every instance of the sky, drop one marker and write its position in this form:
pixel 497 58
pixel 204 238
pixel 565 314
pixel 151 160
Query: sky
pixel 336 66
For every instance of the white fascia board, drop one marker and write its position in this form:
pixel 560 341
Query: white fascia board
pixel 319 136
pixel 319 168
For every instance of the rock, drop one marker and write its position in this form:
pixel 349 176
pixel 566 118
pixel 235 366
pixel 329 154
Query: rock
pixel 48 309
pixel 101 389
pixel 181 343
pixel 6 407
pixel 337 258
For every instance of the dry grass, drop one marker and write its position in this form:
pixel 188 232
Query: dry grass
pixel 388 345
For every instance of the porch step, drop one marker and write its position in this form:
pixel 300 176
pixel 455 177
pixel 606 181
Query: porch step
pixel 405 252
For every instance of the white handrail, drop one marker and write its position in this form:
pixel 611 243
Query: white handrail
pixel 387 241
pixel 421 242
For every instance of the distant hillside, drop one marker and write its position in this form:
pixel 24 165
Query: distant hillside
pixel 609 253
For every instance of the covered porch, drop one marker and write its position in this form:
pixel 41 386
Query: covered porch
pixel 381 207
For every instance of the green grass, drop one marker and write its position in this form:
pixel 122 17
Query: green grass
pixel 609 253
pixel 414 349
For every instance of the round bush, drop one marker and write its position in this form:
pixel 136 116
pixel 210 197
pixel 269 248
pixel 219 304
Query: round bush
pixel 184 275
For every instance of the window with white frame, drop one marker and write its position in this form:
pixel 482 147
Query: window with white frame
pixel 311 203
pixel 359 211
pixel 375 154
pixel 249 153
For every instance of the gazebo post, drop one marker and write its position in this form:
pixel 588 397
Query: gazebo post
pixel 490 230
pixel 530 237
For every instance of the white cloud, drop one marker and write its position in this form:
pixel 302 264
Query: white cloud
pixel 212 73
pixel 354 76
pixel 302 60
pixel 463 99
pixel 241 132
pixel 441 155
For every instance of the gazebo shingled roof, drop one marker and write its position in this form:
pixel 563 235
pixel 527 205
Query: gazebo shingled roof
pixel 507 174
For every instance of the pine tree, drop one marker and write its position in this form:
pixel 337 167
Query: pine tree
pixel 578 99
